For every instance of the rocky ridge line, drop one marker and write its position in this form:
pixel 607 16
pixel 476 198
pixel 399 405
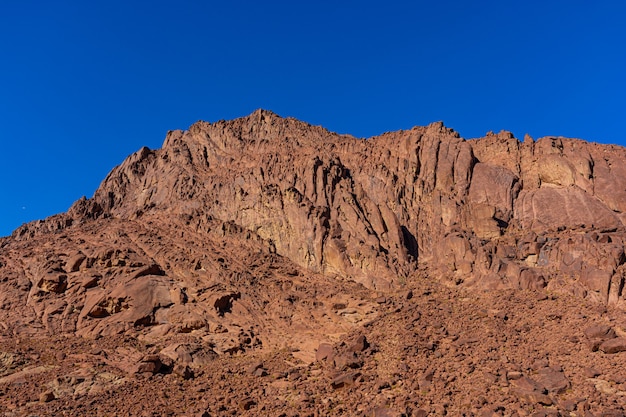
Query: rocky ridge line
pixel 488 213
pixel 263 265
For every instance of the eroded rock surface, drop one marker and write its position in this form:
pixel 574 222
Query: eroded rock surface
pixel 372 210
pixel 269 236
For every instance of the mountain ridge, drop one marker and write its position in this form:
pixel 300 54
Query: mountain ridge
pixel 492 188
pixel 376 273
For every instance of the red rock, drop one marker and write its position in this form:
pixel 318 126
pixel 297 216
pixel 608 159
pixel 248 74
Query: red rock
pixel 90 282
pixel 257 237
pixel 360 344
pixel 554 380
pixel 184 371
pixel 149 363
pixel 615 345
pixel 426 380
pixel 553 208
pixel 247 404
pixel 386 412
pixel 591 372
pixel 46 396
pixel 494 187
pixel 193 354
pixel 324 352
pixel 531 391
pixel 344 380
pixel 600 331
pixel 347 360
pixel 596 335
pixel 74 263
pixel 596 279
pixel 256 366
pixel 53 282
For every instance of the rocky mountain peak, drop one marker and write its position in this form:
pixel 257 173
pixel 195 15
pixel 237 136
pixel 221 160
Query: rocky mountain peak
pixel 374 210
pixel 352 269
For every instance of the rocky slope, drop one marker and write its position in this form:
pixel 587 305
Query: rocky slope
pixel 258 250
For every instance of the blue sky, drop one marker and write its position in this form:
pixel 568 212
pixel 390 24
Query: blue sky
pixel 85 83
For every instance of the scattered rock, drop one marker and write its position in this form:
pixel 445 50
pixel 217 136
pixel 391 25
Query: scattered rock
pixel 426 380
pixel 344 380
pixel 553 379
pixel 149 363
pixel 596 335
pixel 256 366
pixel 600 331
pixel 348 360
pixel 531 391
pixel 386 412
pixel 615 345
pixel 247 404
pixel 183 371
pixel 324 352
pixel 360 344
pixel 591 372
pixel 46 396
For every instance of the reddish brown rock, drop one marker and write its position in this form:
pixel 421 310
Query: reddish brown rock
pixel 343 380
pixel 615 345
pixel 356 202
pixel 360 344
pixel 530 391
pixel 46 396
pixel 149 363
pixel 385 412
pixel 324 352
pixel 600 331
pixel 450 273
pixel 553 379
pixel 247 404
pixel 597 334
pixel 183 371
pixel 348 360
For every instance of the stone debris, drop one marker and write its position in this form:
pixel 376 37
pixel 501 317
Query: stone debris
pixel 46 396
pixel 553 380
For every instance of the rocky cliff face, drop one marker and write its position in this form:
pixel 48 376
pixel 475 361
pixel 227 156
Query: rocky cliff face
pixel 486 213
pixel 266 234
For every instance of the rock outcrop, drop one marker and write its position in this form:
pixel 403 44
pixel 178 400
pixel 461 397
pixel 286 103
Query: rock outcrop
pixel 266 234
pixel 489 213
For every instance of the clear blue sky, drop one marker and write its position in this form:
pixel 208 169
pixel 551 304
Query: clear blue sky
pixel 85 83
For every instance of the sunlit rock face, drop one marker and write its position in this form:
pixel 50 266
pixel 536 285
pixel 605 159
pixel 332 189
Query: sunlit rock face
pixel 194 219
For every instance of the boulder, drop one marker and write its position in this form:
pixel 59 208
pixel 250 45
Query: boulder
pixel 614 345
pixel 192 354
pixel 597 334
pixel 553 379
pixel 530 391
pixel 345 379
pixel 324 352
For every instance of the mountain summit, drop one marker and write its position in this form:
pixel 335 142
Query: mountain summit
pixel 263 233
pixel 491 212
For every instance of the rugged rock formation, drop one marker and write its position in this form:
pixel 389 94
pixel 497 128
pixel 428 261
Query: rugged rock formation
pixel 491 212
pixel 263 233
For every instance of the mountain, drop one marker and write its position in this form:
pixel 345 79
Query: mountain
pixel 393 275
